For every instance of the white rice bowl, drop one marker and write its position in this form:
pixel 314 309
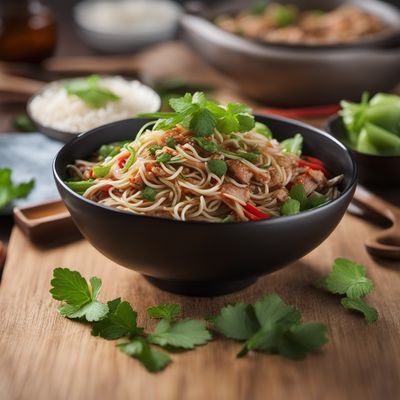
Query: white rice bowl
pixel 55 108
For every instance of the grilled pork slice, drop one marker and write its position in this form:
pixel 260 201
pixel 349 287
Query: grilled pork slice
pixel 241 193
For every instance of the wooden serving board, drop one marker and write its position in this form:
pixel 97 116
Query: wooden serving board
pixel 44 356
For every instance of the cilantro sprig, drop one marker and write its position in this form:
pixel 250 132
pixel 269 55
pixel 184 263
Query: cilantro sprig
pixel 117 319
pixel 271 326
pixel 79 296
pixel 10 191
pixel 90 91
pixel 350 279
pixel 202 116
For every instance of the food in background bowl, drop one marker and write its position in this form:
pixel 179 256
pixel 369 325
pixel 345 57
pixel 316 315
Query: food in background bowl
pixel 77 105
pixel 205 162
pixel 277 23
pixel 373 126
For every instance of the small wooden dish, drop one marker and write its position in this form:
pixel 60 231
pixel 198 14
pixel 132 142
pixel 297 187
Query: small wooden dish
pixel 45 221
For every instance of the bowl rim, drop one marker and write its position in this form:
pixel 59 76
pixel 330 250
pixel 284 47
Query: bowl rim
pixel 329 128
pixel 271 221
pixel 58 133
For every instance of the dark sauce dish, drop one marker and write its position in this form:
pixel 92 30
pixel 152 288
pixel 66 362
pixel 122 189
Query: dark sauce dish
pixel 200 258
pixel 373 170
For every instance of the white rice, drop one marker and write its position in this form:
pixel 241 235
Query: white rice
pixel 54 108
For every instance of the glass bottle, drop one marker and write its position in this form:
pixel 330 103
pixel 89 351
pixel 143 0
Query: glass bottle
pixel 27 31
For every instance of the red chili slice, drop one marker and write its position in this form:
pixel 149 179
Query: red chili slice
pixel 317 167
pixel 313 160
pixel 254 211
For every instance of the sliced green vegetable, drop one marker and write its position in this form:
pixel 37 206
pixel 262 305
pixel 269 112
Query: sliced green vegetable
pixel 80 186
pixel 290 207
pixel 170 142
pixel 252 157
pixel 100 171
pixel 284 15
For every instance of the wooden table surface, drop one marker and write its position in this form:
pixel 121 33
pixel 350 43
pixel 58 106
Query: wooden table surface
pixel 44 356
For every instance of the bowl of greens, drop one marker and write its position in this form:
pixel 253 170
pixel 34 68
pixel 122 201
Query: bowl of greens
pixel 371 131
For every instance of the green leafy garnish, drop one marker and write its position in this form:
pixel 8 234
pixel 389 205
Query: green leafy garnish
pixel 90 91
pixel 164 158
pixel 217 167
pixel 149 193
pixel 298 201
pixel 118 323
pixel 153 360
pixel 370 313
pixel 207 145
pixel 153 149
pixel 284 15
pixel 293 145
pixel 165 311
pixel 24 124
pixel 258 7
pixel 10 191
pixel 270 325
pixel 117 319
pixel 203 116
pixel 79 296
pixel 170 142
pixel 184 334
pixel 349 278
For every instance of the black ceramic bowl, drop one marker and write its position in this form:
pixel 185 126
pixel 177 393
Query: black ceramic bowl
pixel 373 170
pixel 199 258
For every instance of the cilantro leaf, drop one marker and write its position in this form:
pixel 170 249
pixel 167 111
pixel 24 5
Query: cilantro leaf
pixel 202 122
pixel 152 360
pixel 166 311
pixel 236 321
pixel 170 142
pixel 271 309
pixel 121 322
pixel 348 278
pixel 90 91
pixel 182 104
pixel 370 313
pixel 163 157
pixel 149 193
pixel 10 191
pixel 184 334
pixel 217 167
pixel 70 286
pixel 302 339
pixel 207 145
pixel 80 298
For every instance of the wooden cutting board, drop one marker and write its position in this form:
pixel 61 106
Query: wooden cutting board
pixel 44 356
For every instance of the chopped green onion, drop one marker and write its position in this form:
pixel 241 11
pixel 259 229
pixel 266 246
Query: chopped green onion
pixel 164 158
pixel 153 149
pixel 171 142
pixel 149 193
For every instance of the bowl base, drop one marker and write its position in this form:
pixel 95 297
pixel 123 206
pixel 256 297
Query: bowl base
pixel 200 289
